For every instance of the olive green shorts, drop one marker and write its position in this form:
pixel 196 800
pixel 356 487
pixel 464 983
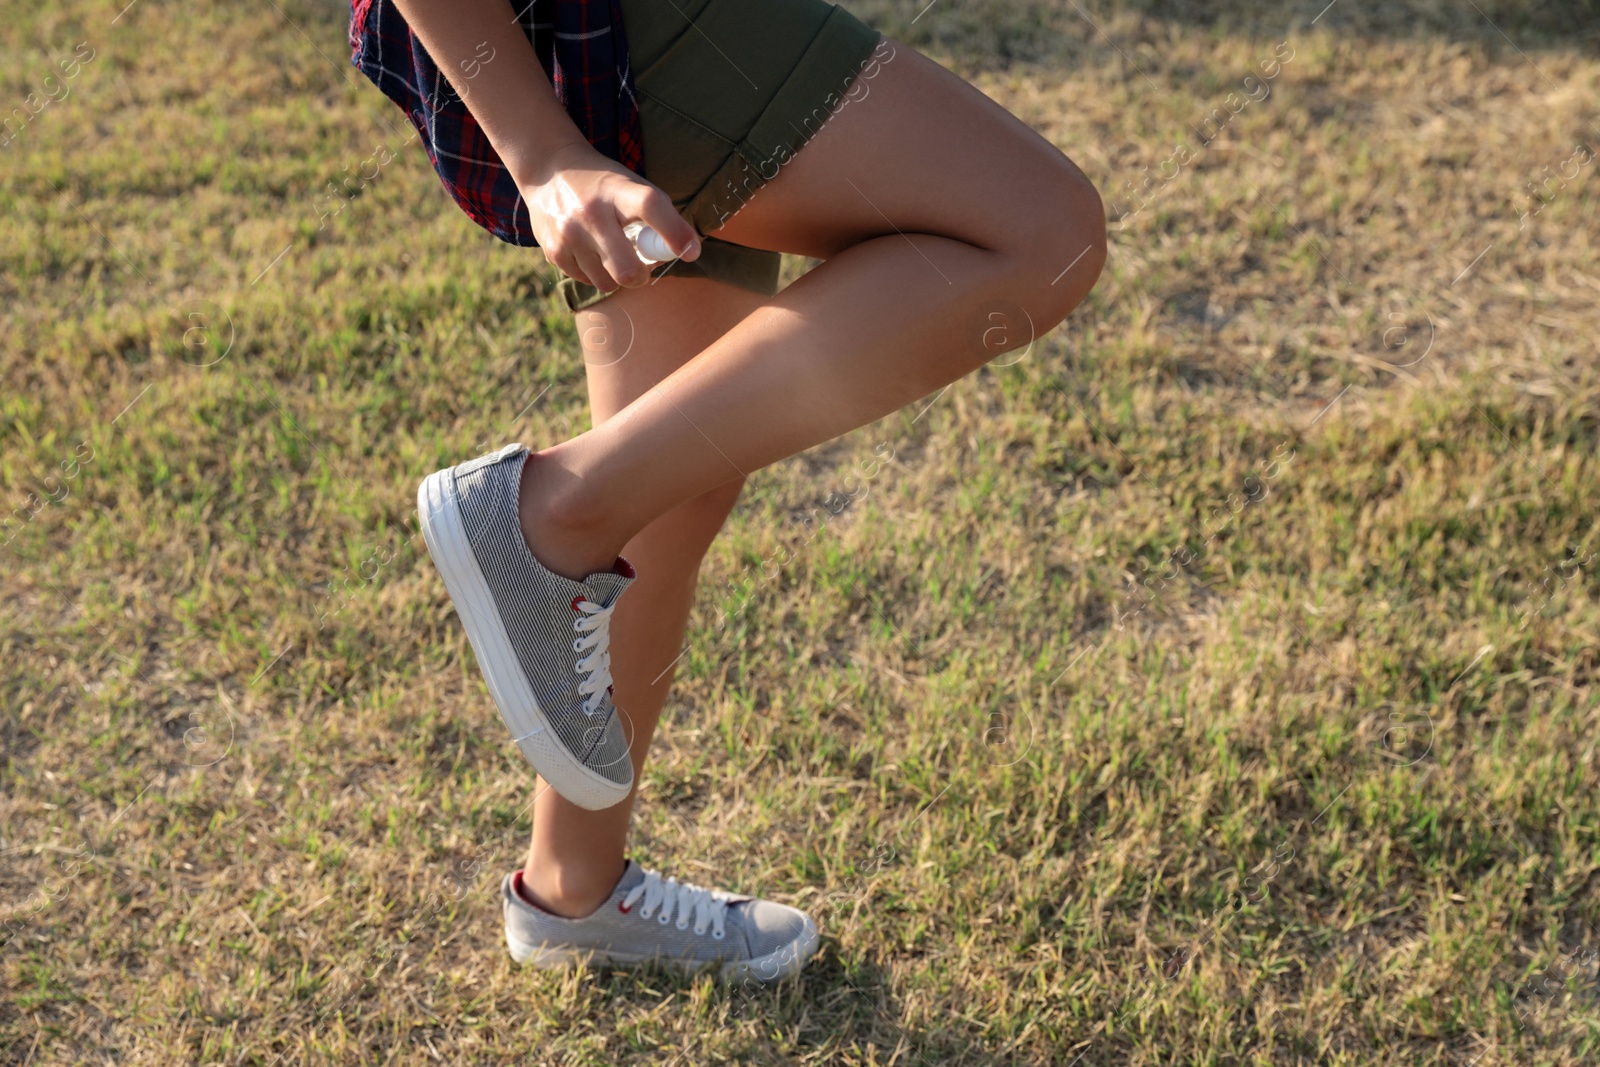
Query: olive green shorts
pixel 728 91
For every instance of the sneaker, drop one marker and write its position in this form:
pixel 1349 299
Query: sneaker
pixel 543 641
pixel 651 919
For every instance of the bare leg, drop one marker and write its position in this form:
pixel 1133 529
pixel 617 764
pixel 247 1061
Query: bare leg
pixel 935 210
pixel 576 855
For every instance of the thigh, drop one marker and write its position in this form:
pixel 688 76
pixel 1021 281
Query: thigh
pixel 636 337
pixel 914 149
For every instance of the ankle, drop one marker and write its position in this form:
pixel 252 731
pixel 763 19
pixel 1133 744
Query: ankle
pixel 572 892
pixel 563 522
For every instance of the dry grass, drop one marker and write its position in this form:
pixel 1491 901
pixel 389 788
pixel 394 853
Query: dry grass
pixel 1321 790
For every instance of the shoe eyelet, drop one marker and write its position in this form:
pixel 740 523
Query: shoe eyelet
pixel 623 909
pixel 575 601
pixel 699 931
pixel 681 926
pixel 663 918
pixel 719 934
pixel 644 913
pixel 577 645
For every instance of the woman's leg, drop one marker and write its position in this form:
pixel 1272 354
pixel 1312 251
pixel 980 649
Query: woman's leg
pixel 631 341
pixel 936 211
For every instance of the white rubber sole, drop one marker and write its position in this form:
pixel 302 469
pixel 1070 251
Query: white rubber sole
pixel 772 967
pixel 446 537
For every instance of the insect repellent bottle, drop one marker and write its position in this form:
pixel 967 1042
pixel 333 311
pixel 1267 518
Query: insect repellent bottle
pixel 650 245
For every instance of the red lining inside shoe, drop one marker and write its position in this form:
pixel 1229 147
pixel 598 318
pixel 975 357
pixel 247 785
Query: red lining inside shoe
pixel 522 894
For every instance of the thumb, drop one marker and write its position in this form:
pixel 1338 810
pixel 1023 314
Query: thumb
pixel 652 207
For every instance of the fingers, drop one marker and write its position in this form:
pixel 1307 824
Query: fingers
pixel 564 262
pixel 587 242
pixel 590 247
pixel 617 254
pixel 594 270
pixel 574 249
pixel 654 208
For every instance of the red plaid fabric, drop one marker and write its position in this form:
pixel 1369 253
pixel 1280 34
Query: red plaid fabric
pixel 585 54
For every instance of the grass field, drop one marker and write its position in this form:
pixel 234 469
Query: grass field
pixel 1213 681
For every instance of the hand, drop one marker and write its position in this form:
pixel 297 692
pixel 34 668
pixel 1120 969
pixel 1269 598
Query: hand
pixel 579 200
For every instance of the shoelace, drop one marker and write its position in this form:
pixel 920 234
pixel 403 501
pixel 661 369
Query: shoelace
pixel 595 622
pixel 709 906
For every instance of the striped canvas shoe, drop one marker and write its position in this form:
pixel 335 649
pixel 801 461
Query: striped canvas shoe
pixel 542 640
pixel 648 919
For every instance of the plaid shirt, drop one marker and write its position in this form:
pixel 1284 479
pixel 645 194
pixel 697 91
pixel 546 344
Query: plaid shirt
pixel 582 48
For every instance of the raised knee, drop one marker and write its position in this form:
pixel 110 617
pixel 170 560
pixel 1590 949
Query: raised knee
pixel 1066 248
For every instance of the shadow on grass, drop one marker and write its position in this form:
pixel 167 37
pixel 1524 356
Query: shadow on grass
pixel 857 1007
pixel 844 1009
